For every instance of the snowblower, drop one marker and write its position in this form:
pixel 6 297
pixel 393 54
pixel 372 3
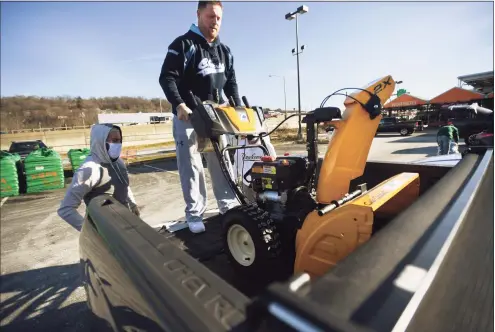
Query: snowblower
pixel 304 212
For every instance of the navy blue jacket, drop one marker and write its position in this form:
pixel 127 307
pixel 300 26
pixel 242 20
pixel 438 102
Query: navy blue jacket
pixel 193 64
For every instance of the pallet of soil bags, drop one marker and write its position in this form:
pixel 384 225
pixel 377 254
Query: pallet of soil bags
pixel 77 157
pixel 44 171
pixel 9 175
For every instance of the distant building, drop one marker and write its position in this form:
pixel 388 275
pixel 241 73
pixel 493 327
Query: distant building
pixel 481 82
pixel 134 118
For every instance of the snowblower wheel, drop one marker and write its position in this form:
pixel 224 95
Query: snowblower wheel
pixel 251 240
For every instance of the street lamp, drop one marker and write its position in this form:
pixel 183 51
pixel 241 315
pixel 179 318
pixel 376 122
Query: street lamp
pixel 285 95
pixel 290 16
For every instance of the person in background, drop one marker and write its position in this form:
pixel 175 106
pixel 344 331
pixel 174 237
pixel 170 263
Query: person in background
pixel 447 139
pixel 198 62
pixel 103 172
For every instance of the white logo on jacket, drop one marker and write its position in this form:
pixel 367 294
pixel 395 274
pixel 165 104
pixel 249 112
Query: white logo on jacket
pixel 207 67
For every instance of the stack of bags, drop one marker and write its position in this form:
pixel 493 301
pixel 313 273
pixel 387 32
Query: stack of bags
pixel 44 171
pixel 77 157
pixel 9 176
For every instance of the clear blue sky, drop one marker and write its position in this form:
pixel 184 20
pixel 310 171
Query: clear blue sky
pixel 116 48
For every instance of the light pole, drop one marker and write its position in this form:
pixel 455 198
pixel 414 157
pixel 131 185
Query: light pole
pixel 285 95
pixel 290 16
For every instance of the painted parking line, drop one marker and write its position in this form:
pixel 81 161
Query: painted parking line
pixel 161 169
pixel 3 201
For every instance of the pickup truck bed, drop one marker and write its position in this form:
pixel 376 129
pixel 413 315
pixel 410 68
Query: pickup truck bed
pixel 368 288
pixel 392 124
pixel 158 281
pixel 207 248
pixel 461 296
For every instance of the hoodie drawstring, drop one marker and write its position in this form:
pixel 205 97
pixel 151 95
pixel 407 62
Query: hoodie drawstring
pixel 119 174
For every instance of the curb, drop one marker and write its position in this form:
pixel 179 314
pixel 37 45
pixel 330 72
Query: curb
pixel 169 156
pixel 172 155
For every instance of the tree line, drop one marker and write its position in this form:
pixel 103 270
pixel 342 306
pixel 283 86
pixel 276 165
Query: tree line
pixel 29 112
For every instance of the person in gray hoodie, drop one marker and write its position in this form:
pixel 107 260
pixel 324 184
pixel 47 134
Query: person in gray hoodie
pixel 103 172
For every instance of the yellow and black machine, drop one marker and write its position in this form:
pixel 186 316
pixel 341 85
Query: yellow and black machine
pixel 304 212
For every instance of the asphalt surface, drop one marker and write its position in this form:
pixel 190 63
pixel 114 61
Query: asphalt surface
pixel 40 284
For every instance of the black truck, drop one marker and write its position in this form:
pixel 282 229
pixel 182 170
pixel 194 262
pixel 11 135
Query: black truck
pixel 430 268
pixel 394 125
pixel 468 119
pixel 24 148
pixel 473 125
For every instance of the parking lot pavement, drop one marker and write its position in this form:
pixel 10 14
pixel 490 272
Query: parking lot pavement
pixel 388 147
pixel 40 284
pixel 40 287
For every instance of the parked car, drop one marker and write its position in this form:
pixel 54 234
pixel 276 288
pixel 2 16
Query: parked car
pixel 23 148
pixel 468 119
pixel 485 138
pixel 393 124
pixel 270 114
pixel 473 126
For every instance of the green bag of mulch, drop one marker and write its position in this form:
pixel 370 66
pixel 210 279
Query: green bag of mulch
pixel 9 177
pixel 77 157
pixel 44 171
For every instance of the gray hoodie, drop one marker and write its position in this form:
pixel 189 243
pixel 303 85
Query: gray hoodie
pixel 97 175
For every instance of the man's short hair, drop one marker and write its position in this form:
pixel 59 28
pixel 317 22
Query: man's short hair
pixel 203 4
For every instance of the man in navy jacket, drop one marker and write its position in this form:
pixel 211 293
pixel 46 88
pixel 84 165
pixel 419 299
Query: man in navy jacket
pixel 197 61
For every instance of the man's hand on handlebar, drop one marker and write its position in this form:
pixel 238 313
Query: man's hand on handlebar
pixel 183 112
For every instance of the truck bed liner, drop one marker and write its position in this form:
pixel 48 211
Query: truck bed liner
pixel 185 282
pixel 207 247
pixel 362 286
pixel 461 296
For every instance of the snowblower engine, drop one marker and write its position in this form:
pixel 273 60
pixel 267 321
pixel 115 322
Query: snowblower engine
pixel 286 187
pixel 278 182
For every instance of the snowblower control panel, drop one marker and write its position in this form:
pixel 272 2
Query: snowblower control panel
pixel 279 175
pixel 210 120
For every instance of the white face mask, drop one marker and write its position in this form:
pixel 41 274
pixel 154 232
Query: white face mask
pixel 114 150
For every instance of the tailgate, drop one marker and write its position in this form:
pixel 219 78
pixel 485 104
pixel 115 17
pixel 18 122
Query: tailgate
pixel 182 293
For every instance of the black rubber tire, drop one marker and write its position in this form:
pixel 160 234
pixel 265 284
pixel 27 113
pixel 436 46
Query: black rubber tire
pixel 265 237
pixel 403 132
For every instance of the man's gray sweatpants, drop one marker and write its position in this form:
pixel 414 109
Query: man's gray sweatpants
pixel 192 175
